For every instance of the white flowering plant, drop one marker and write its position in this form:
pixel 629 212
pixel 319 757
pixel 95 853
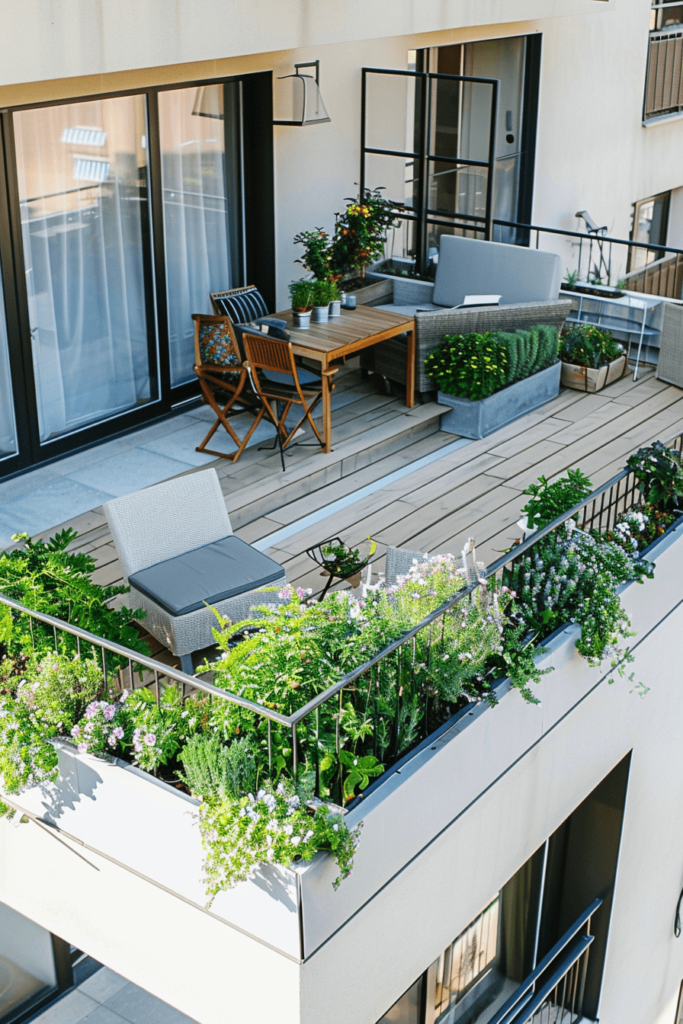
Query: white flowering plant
pixel 570 576
pixel 45 703
pixel 272 826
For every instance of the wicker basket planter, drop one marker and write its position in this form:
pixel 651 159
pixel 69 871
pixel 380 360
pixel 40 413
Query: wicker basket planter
pixel 583 378
pixel 478 419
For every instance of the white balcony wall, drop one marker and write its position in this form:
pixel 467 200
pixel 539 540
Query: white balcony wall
pixel 122 877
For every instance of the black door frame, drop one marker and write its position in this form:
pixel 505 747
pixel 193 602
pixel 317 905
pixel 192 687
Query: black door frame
pixel 422 156
pixel 256 265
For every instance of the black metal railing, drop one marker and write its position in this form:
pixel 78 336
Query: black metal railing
pixel 554 990
pixel 401 667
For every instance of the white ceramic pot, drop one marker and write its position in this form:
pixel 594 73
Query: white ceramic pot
pixel 321 314
pixel 302 320
pixel 523 525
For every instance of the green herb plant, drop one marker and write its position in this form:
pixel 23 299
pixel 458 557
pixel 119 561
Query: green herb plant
pixel 317 257
pixel 587 345
pixel 301 295
pixel 550 500
pixel 469 365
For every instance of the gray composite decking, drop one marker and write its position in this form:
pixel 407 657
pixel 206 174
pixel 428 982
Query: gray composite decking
pixel 476 491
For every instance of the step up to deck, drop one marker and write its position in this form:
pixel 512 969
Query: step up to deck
pixel 369 449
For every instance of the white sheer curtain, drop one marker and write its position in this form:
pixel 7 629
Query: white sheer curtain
pixel 82 182
pixel 198 221
pixel 8 435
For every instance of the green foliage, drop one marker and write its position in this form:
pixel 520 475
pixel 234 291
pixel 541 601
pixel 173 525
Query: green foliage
pixel 213 770
pixel 528 351
pixel 658 471
pixel 475 366
pixel 271 827
pixel 570 576
pixel 48 578
pixel 317 255
pixel 571 278
pixel 301 295
pixel 360 232
pixel 469 365
pixel 550 500
pixel 360 771
pixel 342 560
pixel 587 345
pixel 325 292
pixel 46 703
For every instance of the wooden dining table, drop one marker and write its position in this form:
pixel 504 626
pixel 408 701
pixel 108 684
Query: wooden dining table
pixel 342 336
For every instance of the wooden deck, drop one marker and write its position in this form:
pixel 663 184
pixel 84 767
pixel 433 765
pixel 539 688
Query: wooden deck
pixel 473 492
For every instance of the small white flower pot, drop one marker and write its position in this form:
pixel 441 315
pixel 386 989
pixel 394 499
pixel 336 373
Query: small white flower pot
pixel 302 320
pixel 321 314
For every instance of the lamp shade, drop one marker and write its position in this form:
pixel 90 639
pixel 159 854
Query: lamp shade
pixel 299 96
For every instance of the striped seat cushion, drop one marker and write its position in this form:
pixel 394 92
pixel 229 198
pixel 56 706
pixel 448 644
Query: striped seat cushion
pixel 243 307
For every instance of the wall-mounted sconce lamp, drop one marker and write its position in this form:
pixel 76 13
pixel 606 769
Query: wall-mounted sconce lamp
pixel 306 102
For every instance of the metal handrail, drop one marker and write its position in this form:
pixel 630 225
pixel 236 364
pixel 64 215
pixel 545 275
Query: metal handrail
pixel 293 720
pixel 512 1004
pixel 135 658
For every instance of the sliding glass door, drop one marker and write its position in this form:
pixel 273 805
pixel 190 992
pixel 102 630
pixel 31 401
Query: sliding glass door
pixel 82 182
pixel 119 216
pixel 199 131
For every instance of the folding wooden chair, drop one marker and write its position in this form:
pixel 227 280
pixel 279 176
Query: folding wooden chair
pixel 275 377
pixel 221 371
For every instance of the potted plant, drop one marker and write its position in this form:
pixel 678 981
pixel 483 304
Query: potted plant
pixel 488 380
pixel 335 299
pixel 301 295
pixel 341 562
pixel 322 296
pixel 591 358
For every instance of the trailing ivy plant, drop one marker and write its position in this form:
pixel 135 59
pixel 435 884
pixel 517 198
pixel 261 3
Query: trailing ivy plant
pixel 48 578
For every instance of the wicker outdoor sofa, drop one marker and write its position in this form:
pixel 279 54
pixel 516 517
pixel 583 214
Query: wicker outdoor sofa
pixel 528 281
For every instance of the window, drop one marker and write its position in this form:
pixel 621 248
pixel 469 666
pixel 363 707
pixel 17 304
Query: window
pixel 650 223
pixel 82 170
pixel 664 79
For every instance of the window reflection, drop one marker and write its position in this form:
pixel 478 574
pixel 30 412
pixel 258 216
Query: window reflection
pixel 82 170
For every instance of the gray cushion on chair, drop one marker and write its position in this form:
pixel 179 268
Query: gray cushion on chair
pixel 211 573
pixel 469 266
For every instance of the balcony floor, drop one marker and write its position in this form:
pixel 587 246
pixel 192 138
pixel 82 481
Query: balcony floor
pixel 429 502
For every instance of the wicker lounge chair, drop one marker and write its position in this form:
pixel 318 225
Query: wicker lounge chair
pixel 528 281
pixel 179 555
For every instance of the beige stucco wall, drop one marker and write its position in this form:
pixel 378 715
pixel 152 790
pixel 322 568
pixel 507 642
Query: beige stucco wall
pixel 593 152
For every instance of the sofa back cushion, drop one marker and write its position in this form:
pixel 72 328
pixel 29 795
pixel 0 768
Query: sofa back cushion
pixel 468 266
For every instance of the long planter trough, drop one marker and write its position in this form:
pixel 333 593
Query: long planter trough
pixel 478 419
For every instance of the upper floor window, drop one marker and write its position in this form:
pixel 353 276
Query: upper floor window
pixel 664 80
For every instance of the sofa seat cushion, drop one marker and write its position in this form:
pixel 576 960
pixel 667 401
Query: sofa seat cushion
pixel 209 574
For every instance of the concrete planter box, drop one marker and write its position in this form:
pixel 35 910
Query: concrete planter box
pixel 583 378
pixel 478 419
pixel 381 291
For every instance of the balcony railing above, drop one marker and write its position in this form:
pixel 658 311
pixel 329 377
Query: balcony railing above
pixel 664 81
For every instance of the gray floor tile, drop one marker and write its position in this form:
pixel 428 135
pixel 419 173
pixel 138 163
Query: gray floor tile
pixel 103 984
pixel 129 471
pixel 140 1007
pixel 69 1010
pixel 27 482
pixel 103 1015
pixel 182 444
pixel 55 502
